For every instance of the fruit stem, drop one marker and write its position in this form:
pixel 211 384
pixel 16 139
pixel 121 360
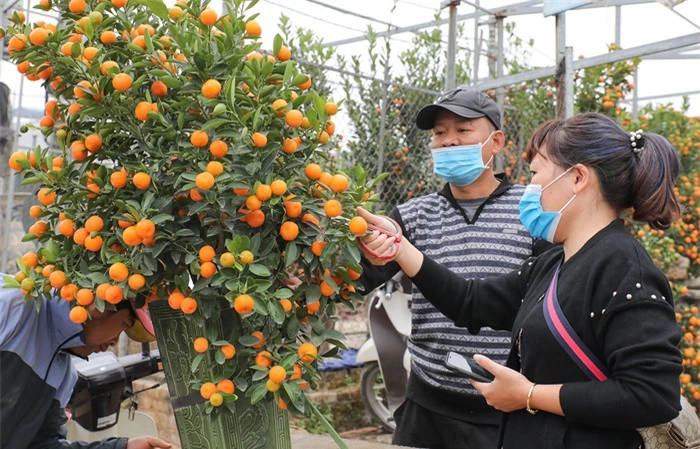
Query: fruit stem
pixel 329 428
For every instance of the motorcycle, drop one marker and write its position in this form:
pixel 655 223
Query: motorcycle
pixel 104 403
pixel 387 362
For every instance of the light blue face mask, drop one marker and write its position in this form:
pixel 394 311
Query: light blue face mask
pixel 540 224
pixel 460 165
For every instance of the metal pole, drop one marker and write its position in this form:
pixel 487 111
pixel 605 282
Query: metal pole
pixel 561 36
pixel 451 46
pixel 477 45
pixel 500 56
pixel 561 69
pixel 635 95
pixel 618 25
pixel 524 8
pixel 500 96
pixel 491 49
pixel 569 82
pixel 382 125
pixel 477 54
pixel 614 56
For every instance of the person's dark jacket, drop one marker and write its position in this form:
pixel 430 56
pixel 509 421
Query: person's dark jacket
pixel 37 375
pixel 618 303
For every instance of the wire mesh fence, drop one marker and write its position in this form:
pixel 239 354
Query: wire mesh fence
pixel 378 131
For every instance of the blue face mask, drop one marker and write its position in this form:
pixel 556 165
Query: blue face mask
pixel 460 165
pixel 540 224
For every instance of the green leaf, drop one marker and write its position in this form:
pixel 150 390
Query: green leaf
pixel 267 90
pixel 352 251
pixel 98 278
pixel 241 383
pixel 180 119
pixel 333 352
pixel 290 254
pixel 283 293
pixel 259 270
pixel 31 180
pixel 161 218
pixel 136 48
pixel 288 73
pixel 379 179
pixel 214 123
pixel 360 175
pixel 196 361
pixel 276 311
pixel 76 51
pixel 337 343
pixel 231 405
pixel 171 82
pixel 293 327
pixel 295 394
pixel 319 103
pixel 158 8
pixel 317 325
pixel 52 249
pixel 289 360
pixel 248 340
pixel 184 232
pixel 257 393
pixel 251 4
pixel 89 30
pixel 259 375
pixel 260 308
pixel 313 294
pixel 253 167
pixel 331 334
pixel 277 44
pixel 219 356
pixel 10 281
pixel 149 44
pixel 255 243
pixel 299 79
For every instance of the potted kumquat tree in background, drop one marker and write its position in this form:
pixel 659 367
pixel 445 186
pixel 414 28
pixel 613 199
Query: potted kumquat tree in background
pixel 188 179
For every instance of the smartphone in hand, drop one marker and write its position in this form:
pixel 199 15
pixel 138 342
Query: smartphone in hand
pixel 468 367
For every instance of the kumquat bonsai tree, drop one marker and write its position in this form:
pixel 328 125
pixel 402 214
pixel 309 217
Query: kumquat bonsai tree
pixel 188 169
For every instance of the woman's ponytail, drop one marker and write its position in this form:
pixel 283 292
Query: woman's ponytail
pixel 655 176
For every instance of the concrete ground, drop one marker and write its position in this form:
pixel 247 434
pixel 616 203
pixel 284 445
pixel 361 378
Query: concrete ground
pixel 308 441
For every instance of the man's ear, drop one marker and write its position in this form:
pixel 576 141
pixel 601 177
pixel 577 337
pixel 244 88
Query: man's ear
pixel 499 140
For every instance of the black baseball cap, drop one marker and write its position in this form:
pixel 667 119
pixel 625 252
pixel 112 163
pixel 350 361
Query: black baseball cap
pixel 467 103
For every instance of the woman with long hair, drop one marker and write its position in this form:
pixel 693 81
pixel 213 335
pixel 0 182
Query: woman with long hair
pixel 594 352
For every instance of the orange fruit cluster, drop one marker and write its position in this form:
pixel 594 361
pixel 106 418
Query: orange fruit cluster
pixel 178 181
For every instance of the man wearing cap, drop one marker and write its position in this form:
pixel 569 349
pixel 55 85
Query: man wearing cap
pixel 472 226
pixel 37 374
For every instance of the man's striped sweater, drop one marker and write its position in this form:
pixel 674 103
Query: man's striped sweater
pixel 492 242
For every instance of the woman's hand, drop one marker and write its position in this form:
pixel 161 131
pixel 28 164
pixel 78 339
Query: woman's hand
pixel 407 256
pixel 376 241
pixel 508 391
